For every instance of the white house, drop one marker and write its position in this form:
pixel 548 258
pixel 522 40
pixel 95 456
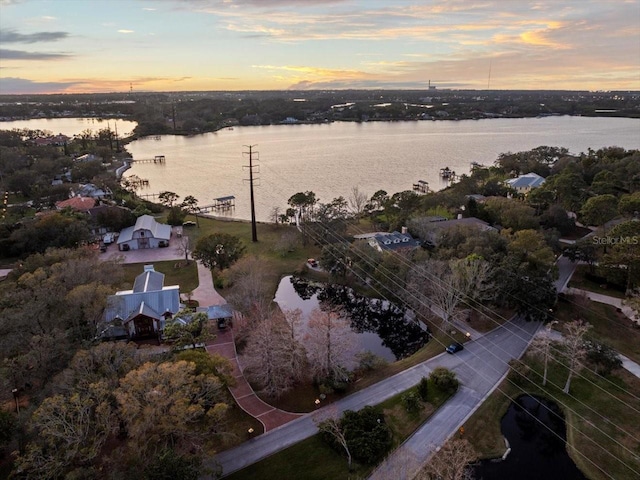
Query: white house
pixel 146 233
pixel 525 183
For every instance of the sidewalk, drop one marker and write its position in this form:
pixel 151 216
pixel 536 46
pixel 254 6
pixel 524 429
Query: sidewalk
pixel 600 298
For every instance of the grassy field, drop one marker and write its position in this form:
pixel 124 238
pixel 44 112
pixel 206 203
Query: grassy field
pixel 609 326
pixel 317 461
pixel 580 280
pixel 185 276
pixel 601 430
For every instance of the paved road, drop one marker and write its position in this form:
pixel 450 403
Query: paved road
pixel 480 366
pixel 565 270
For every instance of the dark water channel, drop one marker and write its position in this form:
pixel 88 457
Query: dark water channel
pixel 382 328
pixel 536 432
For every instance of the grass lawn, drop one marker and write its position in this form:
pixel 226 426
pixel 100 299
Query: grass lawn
pixel 600 425
pixel 320 462
pixel 185 276
pixel 609 326
pixel 580 280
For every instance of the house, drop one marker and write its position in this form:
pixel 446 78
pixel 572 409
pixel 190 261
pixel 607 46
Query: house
pixel 437 228
pixel 80 204
pixel 393 241
pixel 146 233
pixel 142 311
pixel 90 190
pixel 525 183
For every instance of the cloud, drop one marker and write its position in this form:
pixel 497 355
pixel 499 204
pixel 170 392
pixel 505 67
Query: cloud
pixel 6 54
pixel 15 86
pixel 12 36
pixel 126 31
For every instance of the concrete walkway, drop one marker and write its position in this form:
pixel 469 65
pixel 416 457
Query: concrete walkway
pixel 205 293
pixel 609 300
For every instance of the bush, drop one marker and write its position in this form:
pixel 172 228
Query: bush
pixel 519 372
pixel 423 389
pixel 445 380
pixel 411 402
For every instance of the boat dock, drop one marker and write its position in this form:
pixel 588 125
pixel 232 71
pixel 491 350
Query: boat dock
pixel 421 187
pixel 220 203
pixel 157 159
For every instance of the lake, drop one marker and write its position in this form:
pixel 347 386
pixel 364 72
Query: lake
pixel 72 126
pixel 331 159
pixel 380 327
pixel 536 431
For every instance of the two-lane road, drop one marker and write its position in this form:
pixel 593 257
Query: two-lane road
pixel 480 366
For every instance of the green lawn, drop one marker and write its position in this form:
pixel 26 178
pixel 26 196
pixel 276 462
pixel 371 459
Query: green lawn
pixel 312 459
pixel 601 428
pixel 175 273
pixel 580 280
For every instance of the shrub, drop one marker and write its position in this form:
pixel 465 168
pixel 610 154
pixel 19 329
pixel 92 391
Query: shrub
pixel 445 380
pixel 411 402
pixel 423 389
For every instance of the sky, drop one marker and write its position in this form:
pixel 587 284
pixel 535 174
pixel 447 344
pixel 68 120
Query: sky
pixel 87 46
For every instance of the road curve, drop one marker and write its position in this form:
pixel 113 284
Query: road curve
pixel 480 366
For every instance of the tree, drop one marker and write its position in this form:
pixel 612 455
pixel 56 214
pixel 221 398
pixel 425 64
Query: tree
pixel 168 198
pixel 330 345
pixel 303 203
pixel 251 291
pixel 541 347
pixel 169 465
pixel 599 210
pixel 218 250
pixel 604 358
pixel 188 329
pixel 575 351
pixel 629 204
pixel 451 462
pixel 329 424
pixel 190 205
pixel 273 358
pixel 357 201
pixel 184 246
pixel 166 404
pixel 176 215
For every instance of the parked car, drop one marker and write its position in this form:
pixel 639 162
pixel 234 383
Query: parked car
pixel 103 247
pixel 108 238
pixel 189 223
pixel 312 262
pixel 454 347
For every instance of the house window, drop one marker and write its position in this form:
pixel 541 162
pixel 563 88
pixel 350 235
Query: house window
pixel 142 233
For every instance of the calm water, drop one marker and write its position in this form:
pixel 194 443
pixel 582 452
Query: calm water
pixel 331 159
pixel 536 432
pixel 380 327
pixel 72 126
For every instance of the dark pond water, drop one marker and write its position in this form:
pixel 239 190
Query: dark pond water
pixel 536 432
pixel 382 328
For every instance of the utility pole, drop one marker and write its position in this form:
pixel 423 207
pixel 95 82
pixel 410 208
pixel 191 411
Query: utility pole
pixel 254 233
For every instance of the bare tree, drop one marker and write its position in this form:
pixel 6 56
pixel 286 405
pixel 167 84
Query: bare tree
pixel 400 465
pixel 541 347
pixel 450 462
pixel 330 344
pixel 575 350
pixel 443 286
pixel 184 247
pixel 328 420
pixel 272 357
pixel 251 292
pixel 275 214
pixel 357 201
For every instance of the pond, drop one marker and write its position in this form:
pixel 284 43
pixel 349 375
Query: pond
pixel 535 429
pixel 381 327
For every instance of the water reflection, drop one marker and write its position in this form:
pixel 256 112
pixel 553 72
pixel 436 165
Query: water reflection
pixel 383 328
pixel 535 429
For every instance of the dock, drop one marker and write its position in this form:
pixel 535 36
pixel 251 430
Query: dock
pixel 421 187
pixel 220 203
pixel 157 159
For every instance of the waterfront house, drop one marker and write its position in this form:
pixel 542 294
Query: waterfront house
pixel 146 233
pixel 525 183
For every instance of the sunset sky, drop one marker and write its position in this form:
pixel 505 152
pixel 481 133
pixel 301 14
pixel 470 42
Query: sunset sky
pixel 71 46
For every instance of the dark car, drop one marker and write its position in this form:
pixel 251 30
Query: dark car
pixel 454 347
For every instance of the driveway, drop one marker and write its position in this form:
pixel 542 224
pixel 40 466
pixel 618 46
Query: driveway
pixel 480 367
pixel 146 255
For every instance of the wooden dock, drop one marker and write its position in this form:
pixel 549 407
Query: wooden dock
pixel 157 159
pixel 220 203
pixel 421 187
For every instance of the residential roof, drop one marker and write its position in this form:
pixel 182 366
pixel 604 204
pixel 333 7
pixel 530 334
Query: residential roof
pixel 394 241
pixel 82 204
pixel 467 221
pixel 529 180
pixel 215 312
pixel 143 309
pixel 124 303
pixel 146 222
pixel 149 281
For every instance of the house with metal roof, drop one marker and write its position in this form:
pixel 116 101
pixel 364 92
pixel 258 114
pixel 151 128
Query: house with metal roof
pixel 146 233
pixel 525 183
pixel 142 311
